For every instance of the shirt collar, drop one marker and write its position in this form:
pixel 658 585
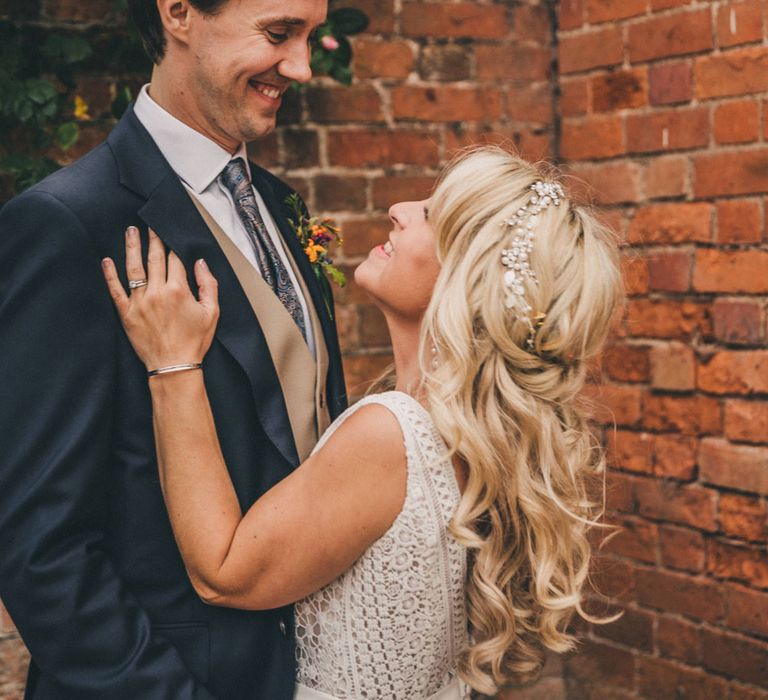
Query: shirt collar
pixel 195 158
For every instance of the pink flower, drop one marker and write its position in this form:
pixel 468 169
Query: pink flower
pixel 329 43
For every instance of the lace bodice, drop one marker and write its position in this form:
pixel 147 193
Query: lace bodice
pixel 393 625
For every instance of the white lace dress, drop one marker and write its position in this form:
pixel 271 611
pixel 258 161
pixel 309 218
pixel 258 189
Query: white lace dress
pixel 392 626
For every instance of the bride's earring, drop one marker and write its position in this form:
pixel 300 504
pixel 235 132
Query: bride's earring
pixel 434 363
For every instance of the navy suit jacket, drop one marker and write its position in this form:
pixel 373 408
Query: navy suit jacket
pixel 89 569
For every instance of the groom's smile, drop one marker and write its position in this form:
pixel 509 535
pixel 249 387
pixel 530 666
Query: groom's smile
pixel 270 92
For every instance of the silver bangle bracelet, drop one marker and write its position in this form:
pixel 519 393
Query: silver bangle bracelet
pixel 174 368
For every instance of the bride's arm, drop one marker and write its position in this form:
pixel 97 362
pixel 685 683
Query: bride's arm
pixel 303 532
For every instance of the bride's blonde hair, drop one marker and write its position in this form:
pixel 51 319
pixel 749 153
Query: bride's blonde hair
pixel 510 412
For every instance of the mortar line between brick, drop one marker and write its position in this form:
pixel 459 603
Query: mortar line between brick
pixel 554 79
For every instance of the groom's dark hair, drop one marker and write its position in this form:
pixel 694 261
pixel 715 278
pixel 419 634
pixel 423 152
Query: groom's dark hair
pixel 146 17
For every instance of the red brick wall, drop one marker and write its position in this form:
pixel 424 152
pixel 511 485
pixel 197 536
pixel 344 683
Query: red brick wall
pixel 430 77
pixel 659 105
pixel 662 106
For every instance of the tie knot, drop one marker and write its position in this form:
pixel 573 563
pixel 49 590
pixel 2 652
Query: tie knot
pixel 235 177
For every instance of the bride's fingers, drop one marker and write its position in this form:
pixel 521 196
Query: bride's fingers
pixel 209 287
pixel 156 260
pixel 134 267
pixel 177 275
pixel 115 287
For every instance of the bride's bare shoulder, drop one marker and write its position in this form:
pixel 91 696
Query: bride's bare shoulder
pixel 374 433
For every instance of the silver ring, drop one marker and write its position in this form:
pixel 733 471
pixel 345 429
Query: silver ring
pixel 135 284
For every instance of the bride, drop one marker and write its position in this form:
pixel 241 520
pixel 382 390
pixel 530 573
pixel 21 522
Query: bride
pixel 437 536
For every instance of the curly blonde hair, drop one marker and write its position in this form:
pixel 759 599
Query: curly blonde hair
pixel 510 412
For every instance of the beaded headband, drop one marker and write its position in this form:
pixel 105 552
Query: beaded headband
pixel 516 258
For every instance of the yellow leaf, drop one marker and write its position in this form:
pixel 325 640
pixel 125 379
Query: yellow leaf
pixel 81 108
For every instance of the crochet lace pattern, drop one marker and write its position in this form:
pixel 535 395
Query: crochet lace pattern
pixel 393 625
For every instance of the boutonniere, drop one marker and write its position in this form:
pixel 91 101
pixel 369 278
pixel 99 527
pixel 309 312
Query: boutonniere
pixel 315 235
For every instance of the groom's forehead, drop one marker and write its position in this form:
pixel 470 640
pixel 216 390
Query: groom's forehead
pixel 300 10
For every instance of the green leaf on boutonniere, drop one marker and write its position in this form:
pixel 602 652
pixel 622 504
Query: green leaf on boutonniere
pixel 336 275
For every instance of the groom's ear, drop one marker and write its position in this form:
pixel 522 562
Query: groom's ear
pixel 175 16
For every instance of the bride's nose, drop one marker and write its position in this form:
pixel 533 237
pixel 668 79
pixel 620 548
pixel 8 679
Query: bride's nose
pixel 396 214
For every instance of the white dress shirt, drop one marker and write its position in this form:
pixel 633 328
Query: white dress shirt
pixel 198 162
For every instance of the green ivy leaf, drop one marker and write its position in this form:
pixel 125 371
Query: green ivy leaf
pixel 125 53
pixel 67 135
pixel 15 162
pixel 343 55
pixel 48 111
pixel 322 61
pixel 314 62
pixel 10 91
pixel 347 20
pixel 40 91
pixel 51 48
pixel 27 170
pixel 24 109
pixel 122 100
pixel 342 74
pixel 67 50
pixel 44 139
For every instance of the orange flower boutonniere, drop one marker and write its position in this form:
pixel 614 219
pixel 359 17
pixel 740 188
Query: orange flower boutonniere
pixel 315 236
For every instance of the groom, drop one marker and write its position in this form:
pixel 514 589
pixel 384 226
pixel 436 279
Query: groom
pixel 89 570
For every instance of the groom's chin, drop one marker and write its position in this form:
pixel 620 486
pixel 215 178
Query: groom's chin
pixel 255 129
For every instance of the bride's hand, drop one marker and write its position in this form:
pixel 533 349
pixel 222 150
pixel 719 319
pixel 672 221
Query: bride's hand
pixel 165 323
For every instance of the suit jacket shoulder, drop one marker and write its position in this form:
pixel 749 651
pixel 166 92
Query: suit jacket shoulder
pixel 81 182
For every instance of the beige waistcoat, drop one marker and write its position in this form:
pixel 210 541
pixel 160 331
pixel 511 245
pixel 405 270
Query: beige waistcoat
pixel 302 378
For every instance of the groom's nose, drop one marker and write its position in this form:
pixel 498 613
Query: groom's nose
pixel 295 65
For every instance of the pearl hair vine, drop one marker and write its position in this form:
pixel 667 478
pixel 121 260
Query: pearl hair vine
pixel 517 258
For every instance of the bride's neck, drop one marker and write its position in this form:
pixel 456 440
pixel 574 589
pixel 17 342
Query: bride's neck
pixel 405 347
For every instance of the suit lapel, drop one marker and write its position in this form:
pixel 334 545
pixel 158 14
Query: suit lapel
pixel 172 215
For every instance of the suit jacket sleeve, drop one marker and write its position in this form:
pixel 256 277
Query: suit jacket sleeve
pixel 57 333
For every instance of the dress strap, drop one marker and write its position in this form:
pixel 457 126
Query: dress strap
pixel 395 401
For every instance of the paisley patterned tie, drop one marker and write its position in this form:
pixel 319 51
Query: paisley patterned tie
pixel 235 178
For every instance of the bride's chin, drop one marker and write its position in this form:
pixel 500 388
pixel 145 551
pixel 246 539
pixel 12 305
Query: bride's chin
pixel 361 275
pixel 367 278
